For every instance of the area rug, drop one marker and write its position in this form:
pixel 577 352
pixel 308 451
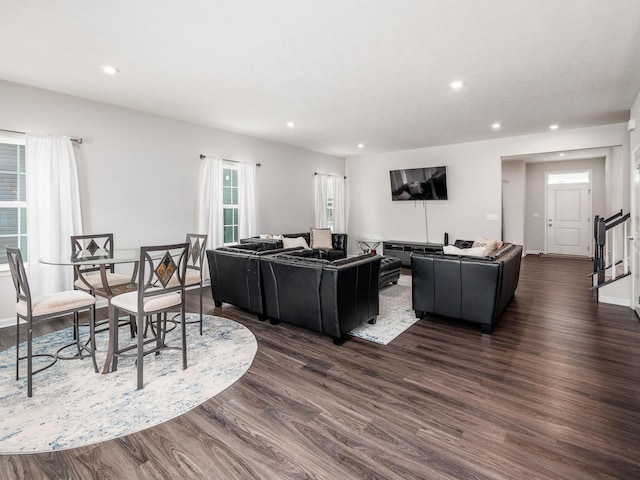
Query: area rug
pixel 72 406
pixel 396 314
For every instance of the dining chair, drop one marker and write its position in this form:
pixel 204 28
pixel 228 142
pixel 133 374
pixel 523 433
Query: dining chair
pixel 194 276
pixel 88 277
pixel 157 294
pixel 34 308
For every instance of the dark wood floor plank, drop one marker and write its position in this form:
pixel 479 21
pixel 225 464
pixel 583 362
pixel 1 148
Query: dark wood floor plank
pixel 553 393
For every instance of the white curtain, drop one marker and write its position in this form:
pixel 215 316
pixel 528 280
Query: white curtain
pixel 339 215
pixel 320 205
pixel 53 209
pixel 324 184
pixel 209 206
pixel 246 200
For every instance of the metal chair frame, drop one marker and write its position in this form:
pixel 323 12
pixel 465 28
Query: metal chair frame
pixel 23 293
pixel 152 283
pixel 79 246
pixel 197 248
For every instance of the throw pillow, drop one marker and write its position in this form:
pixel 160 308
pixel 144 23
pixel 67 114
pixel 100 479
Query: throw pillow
pixel 490 245
pixel 290 242
pixel 321 238
pixel 471 252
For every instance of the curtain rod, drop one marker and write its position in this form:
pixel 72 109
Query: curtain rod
pixel 203 156
pixel 76 140
pixel 327 174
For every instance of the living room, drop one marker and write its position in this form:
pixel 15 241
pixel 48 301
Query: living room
pixel 138 169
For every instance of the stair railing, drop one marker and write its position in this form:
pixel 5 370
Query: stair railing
pixel 612 248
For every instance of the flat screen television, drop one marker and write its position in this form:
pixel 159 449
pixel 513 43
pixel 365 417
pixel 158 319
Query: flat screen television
pixel 428 183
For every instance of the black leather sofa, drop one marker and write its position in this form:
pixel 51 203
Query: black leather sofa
pixel 338 240
pixel 236 277
pixel 476 289
pixel 331 298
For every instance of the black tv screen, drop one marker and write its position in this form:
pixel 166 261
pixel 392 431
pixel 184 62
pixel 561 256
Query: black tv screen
pixel 428 183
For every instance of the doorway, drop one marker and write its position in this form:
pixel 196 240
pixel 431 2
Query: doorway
pixel 568 213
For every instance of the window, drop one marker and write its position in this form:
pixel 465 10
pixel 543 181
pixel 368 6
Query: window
pixel 230 204
pixel 568 177
pixel 13 199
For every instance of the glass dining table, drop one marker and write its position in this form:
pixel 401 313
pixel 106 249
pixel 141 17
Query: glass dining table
pixel 102 262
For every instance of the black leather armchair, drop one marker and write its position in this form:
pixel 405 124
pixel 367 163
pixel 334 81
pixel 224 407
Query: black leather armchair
pixel 327 297
pixel 477 289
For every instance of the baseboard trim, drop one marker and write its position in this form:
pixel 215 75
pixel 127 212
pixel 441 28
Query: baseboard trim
pixel 621 302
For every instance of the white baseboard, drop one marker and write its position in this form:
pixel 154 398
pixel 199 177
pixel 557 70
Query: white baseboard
pixel 533 252
pixel 7 322
pixel 622 302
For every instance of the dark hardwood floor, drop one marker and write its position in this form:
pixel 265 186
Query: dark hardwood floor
pixel 553 393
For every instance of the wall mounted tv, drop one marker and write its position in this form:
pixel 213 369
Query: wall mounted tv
pixel 428 183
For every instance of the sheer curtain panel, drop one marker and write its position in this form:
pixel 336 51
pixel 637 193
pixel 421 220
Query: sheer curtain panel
pixel 246 200
pixel 323 185
pixel 53 209
pixel 339 215
pixel 320 204
pixel 209 206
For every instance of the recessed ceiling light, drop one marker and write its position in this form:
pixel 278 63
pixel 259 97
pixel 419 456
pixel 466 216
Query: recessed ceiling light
pixel 291 124
pixel 457 84
pixel 110 70
pixel 361 145
pixel 562 154
pixel 553 127
pixel 496 126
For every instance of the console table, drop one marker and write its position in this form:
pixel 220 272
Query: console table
pixel 402 250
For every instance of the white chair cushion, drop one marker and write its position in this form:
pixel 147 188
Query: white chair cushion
pixel 192 277
pixel 95 280
pixel 57 302
pixel 129 301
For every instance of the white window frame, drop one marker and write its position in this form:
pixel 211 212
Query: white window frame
pixel 13 139
pixel 227 166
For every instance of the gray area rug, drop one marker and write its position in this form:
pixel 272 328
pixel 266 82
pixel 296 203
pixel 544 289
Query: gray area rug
pixel 396 314
pixel 72 406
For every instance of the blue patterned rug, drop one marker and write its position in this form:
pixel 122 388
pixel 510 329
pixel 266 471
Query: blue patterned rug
pixel 396 314
pixel 72 406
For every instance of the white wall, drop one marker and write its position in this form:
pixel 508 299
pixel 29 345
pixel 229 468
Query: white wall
pixel 513 202
pixel 474 183
pixel 138 172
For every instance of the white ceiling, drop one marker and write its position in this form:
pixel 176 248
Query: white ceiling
pixel 375 72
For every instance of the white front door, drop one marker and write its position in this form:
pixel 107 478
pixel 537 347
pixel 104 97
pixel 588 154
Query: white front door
pixel 569 219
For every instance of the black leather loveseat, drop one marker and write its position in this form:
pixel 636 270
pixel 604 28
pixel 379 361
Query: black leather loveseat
pixel 331 298
pixel 477 289
pixel 338 241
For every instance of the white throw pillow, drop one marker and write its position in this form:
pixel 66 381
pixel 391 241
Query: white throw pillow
pixel 321 238
pixel 490 245
pixel 471 252
pixel 290 242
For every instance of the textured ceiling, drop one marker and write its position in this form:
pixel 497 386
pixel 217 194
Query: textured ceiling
pixel 375 72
